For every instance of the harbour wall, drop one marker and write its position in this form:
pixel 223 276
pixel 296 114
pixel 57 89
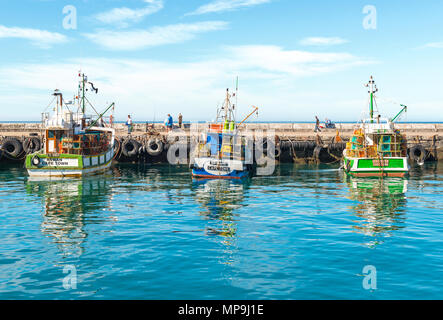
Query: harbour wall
pixel 296 142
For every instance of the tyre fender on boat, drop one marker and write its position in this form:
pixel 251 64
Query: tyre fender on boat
pixel 154 147
pixel 130 147
pixel 417 153
pixel 12 146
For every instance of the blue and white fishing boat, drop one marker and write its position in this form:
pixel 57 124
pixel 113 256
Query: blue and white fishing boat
pixel 223 153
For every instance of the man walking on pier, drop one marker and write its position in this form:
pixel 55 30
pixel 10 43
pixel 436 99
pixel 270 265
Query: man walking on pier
pixel 317 124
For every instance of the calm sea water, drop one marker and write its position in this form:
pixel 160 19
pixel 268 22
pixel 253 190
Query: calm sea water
pixel 151 232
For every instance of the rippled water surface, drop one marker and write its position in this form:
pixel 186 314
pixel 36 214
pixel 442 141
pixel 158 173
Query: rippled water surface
pixel 151 232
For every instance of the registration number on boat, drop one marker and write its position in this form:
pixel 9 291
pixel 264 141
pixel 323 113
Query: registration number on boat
pixel 218 166
pixel 215 168
pixel 380 163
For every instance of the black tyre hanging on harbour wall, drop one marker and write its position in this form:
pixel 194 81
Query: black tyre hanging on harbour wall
pixel 418 153
pixel 130 147
pixel 277 151
pixel 12 146
pixel 32 144
pixel 154 147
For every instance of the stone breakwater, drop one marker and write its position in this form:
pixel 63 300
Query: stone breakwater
pixel 295 142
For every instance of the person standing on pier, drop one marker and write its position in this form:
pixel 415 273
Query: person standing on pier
pixel 168 123
pixel 317 124
pixel 180 120
pixel 129 124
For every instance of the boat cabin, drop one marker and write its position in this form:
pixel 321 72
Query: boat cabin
pixel 88 142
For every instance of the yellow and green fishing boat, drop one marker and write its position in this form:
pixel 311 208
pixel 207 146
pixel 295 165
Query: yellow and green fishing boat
pixel 376 148
pixel 74 144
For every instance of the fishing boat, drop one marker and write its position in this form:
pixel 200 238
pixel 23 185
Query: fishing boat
pixel 223 153
pixel 376 148
pixel 74 144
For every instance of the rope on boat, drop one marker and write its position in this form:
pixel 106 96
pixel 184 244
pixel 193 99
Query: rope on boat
pixel 118 152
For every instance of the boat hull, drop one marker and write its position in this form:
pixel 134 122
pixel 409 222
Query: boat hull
pixel 209 168
pixel 67 165
pixel 374 167
pixel 202 174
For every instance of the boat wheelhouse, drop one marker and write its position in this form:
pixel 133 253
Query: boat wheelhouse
pixel 73 144
pixel 376 148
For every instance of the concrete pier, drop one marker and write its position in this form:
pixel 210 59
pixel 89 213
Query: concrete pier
pixel 427 135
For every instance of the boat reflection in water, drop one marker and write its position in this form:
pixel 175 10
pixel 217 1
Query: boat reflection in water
pixel 381 205
pixel 68 206
pixel 219 200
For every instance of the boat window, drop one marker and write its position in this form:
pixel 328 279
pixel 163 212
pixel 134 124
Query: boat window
pixel 50 134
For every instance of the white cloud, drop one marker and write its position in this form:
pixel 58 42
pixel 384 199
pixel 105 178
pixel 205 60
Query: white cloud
pixel 138 39
pixel 41 38
pixel 146 88
pixel 434 45
pixel 292 62
pixel 226 5
pixel 322 41
pixel 122 16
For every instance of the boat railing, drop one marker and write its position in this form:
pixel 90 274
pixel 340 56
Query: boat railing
pixel 88 144
pixel 390 144
pixel 224 151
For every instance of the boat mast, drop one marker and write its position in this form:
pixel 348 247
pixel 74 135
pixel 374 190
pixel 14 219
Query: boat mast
pixel 236 97
pixel 227 104
pixel 58 95
pixel 372 89
pixel 226 113
pixel 83 93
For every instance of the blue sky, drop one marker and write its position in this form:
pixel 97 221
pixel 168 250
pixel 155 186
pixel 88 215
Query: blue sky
pixel 295 59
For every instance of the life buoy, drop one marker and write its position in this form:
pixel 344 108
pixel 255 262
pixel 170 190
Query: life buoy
pixel 12 146
pixel 130 147
pixel 35 161
pixel 32 144
pixel 154 147
pixel 417 153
